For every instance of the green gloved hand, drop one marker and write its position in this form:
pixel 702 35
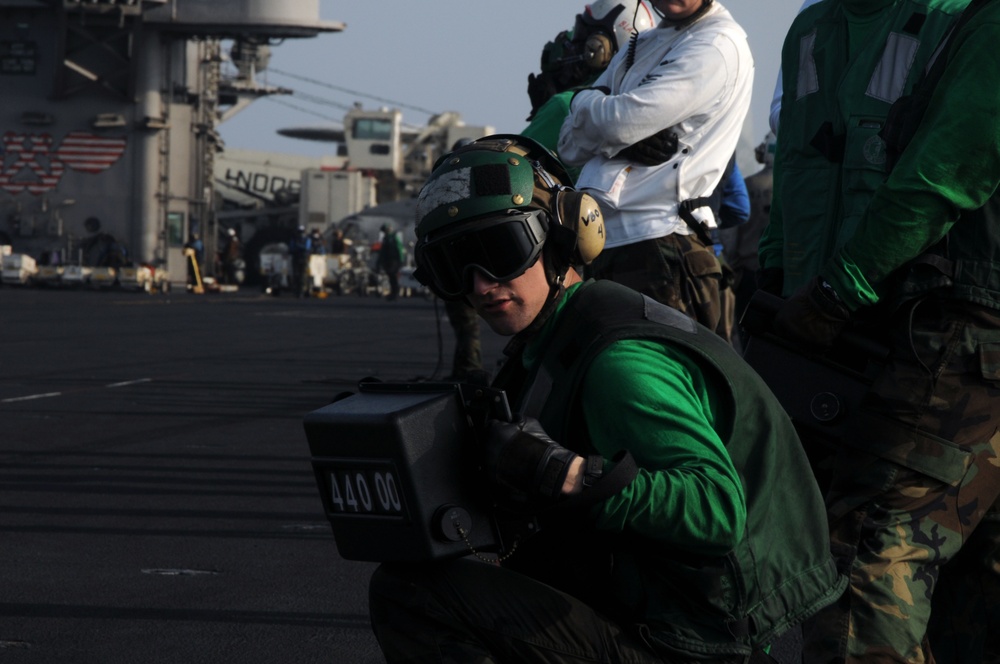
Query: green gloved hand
pixel 813 316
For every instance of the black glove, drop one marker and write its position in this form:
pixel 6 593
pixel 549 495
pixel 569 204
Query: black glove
pixel 540 90
pixel 603 89
pixel 521 458
pixel 652 150
pixel 771 280
pixel 813 316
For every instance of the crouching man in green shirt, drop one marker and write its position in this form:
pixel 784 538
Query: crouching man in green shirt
pixel 679 518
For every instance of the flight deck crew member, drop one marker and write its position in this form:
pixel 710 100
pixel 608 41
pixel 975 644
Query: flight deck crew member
pixel 574 59
pixel 298 250
pixel 232 258
pixel 679 475
pixel 194 249
pixel 390 258
pixel 654 135
pixel 912 502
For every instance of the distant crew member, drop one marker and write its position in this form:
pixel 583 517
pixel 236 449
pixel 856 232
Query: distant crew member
pixel 298 250
pixel 339 244
pixel 232 258
pixel 194 251
pixel 390 258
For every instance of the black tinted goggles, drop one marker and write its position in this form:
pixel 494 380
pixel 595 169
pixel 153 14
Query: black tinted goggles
pixel 502 248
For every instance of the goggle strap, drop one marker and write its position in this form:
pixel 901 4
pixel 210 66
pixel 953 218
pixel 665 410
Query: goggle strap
pixel 543 174
pixel 546 200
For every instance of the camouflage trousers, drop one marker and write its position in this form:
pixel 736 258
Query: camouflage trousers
pixel 908 500
pixel 469 612
pixel 675 270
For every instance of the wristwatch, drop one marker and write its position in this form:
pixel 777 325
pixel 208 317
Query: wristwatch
pixel 593 469
pixel 829 290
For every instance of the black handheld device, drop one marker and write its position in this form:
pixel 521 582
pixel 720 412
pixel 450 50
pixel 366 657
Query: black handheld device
pixel 397 467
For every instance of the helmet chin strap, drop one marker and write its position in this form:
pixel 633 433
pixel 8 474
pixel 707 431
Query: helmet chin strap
pixel 557 288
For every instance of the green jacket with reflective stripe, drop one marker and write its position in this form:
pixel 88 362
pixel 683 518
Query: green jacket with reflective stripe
pixel 830 159
pixel 935 223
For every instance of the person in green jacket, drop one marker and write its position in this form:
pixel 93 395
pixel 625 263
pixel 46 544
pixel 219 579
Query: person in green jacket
pixel 913 498
pixel 843 64
pixel 678 519
pixel 391 255
pixel 575 58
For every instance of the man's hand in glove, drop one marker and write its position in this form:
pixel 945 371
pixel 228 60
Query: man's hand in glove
pixel 813 316
pixel 652 150
pixel 540 90
pixel 521 458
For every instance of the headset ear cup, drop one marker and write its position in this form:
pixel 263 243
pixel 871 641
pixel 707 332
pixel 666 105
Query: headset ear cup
pixel 597 51
pixel 580 213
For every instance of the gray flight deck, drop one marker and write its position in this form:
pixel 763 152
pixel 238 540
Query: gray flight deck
pixel 156 498
pixel 157 504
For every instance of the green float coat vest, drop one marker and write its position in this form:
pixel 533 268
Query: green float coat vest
pixel 781 571
pixel 830 157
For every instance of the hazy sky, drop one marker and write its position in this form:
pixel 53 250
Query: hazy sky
pixel 473 57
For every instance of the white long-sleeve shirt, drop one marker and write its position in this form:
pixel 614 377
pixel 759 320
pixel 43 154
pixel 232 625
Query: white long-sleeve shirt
pixel 697 80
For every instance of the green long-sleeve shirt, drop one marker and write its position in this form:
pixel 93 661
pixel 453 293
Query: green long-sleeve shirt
pixel 687 492
pixel 952 164
pixel 655 401
pixel 544 127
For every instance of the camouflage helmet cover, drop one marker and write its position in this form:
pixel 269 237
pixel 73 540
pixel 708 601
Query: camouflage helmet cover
pixel 487 177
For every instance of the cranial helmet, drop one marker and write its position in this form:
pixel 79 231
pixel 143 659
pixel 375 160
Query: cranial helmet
pixel 607 25
pixel 491 205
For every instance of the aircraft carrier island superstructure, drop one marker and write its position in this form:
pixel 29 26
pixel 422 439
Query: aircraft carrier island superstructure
pixel 110 114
